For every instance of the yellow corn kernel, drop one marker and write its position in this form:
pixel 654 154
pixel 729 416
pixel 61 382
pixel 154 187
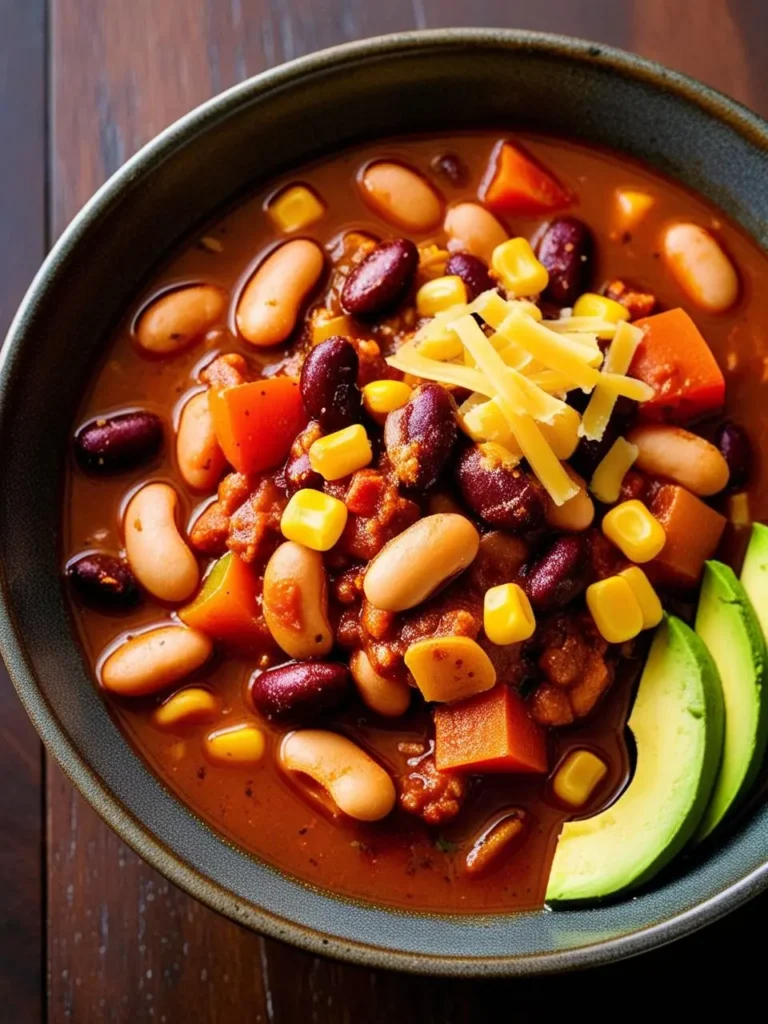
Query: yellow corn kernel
pixel 632 528
pixel 448 668
pixel 600 306
pixel 439 294
pixel 341 453
pixel 187 707
pixel 608 477
pixel 236 745
pixel 738 509
pixel 578 777
pixel 314 519
pixel 507 615
pixel 647 598
pixel 631 207
pixel 295 208
pixel 325 327
pixel 518 269
pixel 382 397
pixel 615 609
pixel 483 420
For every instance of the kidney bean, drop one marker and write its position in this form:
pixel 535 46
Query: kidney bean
pixel 565 249
pixel 472 271
pixel 382 279
pixel 734 446
pixel 299 474
pixel 101 579
pixel 451 167
pixel 560 575
pixel 300 690
pixel 328 384
pixel 498 490
pixel 420 436
pixel 117 442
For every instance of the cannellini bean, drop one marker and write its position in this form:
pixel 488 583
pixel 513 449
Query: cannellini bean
pixel 401 195
pixel 681 456
pixel 201 460
pixel 157 553
pixel 577 513
pixel 238 745
pixel 420 560
pixel 388 697
pixel 295 601
pixel 174 320
pixel 273 298
pixel 355 782
pixel 472 228
pixel 187 707
pixel 700 267
pixel 155 660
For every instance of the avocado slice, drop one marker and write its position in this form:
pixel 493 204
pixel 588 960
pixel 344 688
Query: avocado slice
pixel 677 722
pixel 727 624
pixel 754 574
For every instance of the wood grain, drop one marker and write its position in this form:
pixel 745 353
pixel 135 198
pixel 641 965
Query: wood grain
pixel 124 945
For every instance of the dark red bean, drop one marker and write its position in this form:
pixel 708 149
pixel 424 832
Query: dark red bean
pixel 736 449
pixel 103 581
pixel 382 279
pixel 560 575
pixel 329 390
pixel 300 690
pixel 299 474
pixel 420 437
pixel 501 494
pixel 565 249
pixel 451 167
pixel 472 271
pixel 117 442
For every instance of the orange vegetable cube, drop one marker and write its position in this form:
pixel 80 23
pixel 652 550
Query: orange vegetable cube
pixel 226 607
pixel 693 532
pixel 489 733
pixel 256 423
pixel 517 184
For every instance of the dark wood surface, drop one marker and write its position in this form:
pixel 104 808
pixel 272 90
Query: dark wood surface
pixel 83 84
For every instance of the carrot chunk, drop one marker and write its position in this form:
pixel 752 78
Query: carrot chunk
pixel 693 532
pixel 489 733
pixel 227 606
pixel 256 423
pixel 518 185
pixel 675 360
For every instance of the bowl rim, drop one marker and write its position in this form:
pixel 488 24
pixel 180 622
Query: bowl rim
pixel 13 644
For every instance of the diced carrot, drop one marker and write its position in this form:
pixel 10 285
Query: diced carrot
pixel 227 606
pixel 489 733
pixel 517 184
pixel 256 423
pixel 693 532
pixel 675 360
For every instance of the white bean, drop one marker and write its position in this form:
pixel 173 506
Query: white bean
pixel 700 267
pixel 201 460
pixel 269 307
pixel 401 195
pixel 388 697
pixel 180 317
pixel 155 660
pixel 472 228
pixel 681 456
pixel 157 553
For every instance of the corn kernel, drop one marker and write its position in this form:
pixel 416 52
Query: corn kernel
pixel 314 519
pixel 634 531
pixel 443 347
pixel 187 707
pixel 578 777
pixel 738 509
pixel 448 668
pixel 325 327
pixel 507 615
pixel 439 294
pixel 518 269
pixel 295 208
pixel 382 397
pixel 631 206
pixel 237 745
pixel 484 420
pixel 615 609
pixel 647 598
pixel 601 307
pixel 341 453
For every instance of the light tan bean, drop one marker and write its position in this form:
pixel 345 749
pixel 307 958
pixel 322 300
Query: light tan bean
pixel 178 318
pixel 273 298
pixel 355 782
pixel 577 513
pixel 295 601
pixel 401 195
pixel 420 560
pixel 472 228
pixel 680 456
pixel 700 267
pixel 201 460
pixel 157 553
pixel 388 697
pixel 155 660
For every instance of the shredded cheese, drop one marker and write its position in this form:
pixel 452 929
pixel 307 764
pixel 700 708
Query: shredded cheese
pixel 553 350
pixel 608 477
pixel 604 329
pixel 617 361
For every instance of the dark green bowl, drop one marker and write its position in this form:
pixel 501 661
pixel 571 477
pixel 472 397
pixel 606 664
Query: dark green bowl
pixel 422 81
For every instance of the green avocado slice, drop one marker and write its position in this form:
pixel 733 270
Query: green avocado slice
pixel 677 723
pixel 754 574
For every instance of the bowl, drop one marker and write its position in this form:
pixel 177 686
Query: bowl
pixel 421 81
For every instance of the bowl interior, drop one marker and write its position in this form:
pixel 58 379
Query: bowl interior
pixel 427 82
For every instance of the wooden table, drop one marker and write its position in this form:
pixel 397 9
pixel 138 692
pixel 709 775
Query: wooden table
pixel 88 932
